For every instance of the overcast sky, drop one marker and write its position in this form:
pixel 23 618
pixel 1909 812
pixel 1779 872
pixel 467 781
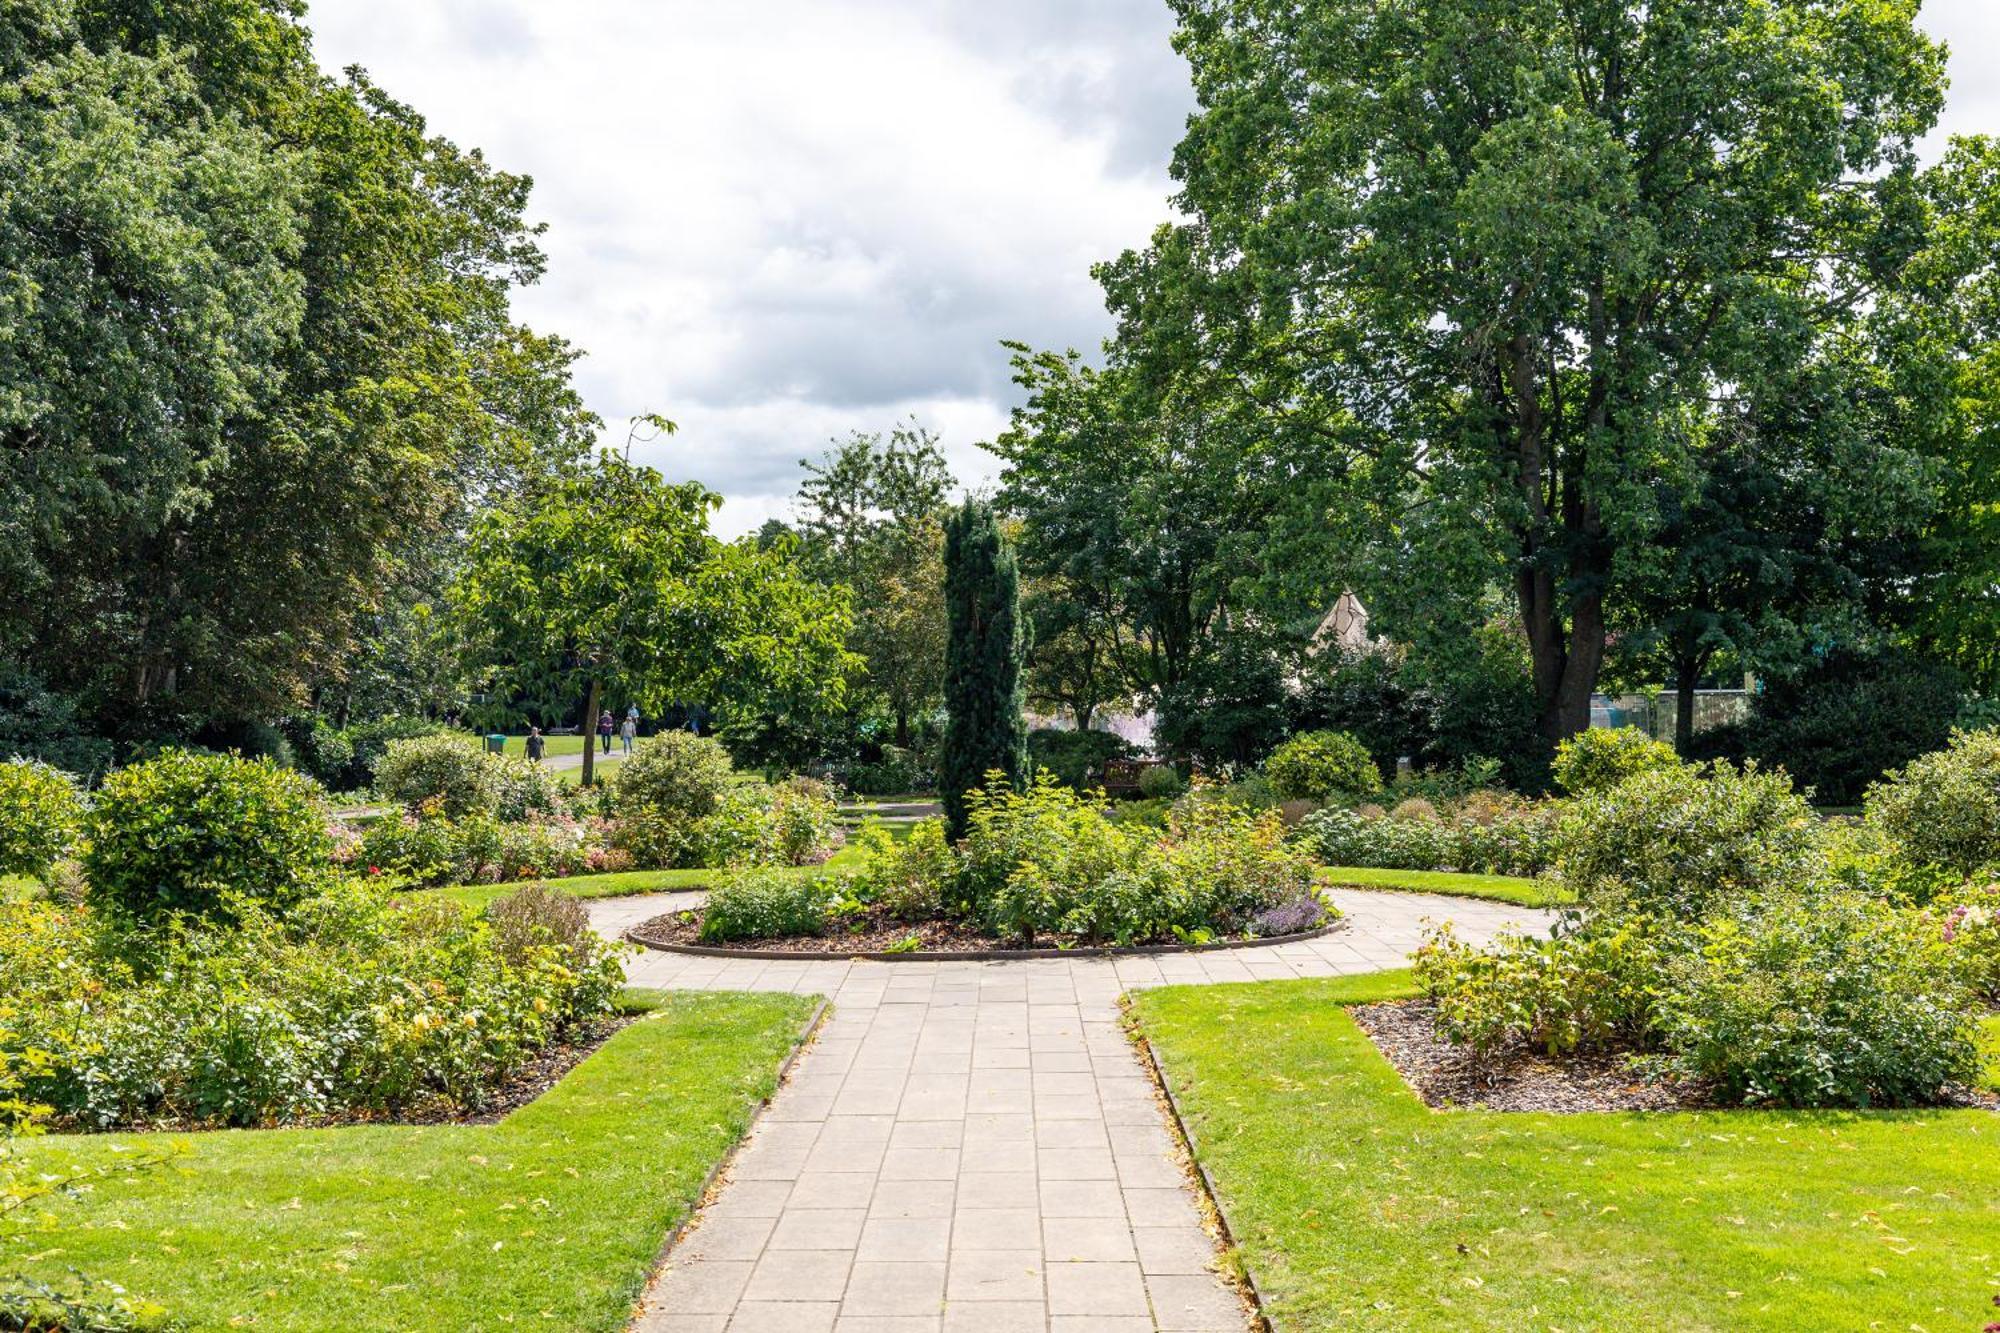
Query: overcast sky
pixel 779 221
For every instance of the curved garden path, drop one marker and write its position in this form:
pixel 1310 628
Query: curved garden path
pixel 976 1146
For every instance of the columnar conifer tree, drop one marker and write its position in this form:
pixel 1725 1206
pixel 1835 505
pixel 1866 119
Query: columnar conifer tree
pixel 983 656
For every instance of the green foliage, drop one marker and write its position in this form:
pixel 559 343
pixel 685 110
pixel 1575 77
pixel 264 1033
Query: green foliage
pixel 1486 833
pixel 40 817
pixel 1323 766
pixel 1943 810
pixel 447 772
pixel 1677 843
pixel 758 905
pixel 201 833
pixel 1161 782
pixel 1970 923
pixel 675 774
pixel 1227 710
pixel 1836 1000
pixel 1600 758
pixel 37 723
pixel 983 661
pixel 793 824
pixel 606 578
pixel 428 849
pixel 1594 988
pixel 1840 727
pixel 351 1003
pixel 912 879
pixel 343 759
pixel 1076 758
pixel 1046 865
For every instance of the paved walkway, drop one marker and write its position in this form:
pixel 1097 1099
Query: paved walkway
pixel 976 1146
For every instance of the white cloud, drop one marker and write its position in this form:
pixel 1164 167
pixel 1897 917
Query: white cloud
pixel 778 221
pixel 782 221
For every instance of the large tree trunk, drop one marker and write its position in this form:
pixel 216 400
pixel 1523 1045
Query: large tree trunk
pixel 590 733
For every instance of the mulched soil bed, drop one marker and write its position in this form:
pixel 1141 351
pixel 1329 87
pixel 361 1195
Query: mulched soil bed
pixel 1521 1080
pixel 531 1081
pixel 1525 1080
pixel 875 935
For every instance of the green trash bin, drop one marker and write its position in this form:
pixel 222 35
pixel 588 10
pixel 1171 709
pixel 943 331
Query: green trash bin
pixel 496 744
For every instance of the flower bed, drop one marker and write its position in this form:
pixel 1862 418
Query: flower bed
pixel 1038 869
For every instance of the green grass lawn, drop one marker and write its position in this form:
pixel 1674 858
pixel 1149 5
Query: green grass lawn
pixel 1355 1206
pixel 1502 888
pixel 551 1218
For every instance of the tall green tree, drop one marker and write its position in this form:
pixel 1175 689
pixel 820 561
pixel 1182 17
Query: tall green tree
pixel 257 366
pixel 1484 257
pixel 985 732
pixel 605 581
pixel 870 513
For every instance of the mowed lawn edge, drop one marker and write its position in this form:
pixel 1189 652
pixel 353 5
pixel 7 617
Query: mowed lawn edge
pixel 552 1217
pixel 1498 888
pixel 1356 1206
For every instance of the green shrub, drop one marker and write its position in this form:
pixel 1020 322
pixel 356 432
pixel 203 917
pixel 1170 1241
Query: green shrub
pixel 1069 842
pixel 182 831
pixel 1969 920
pixel 1835 1000
pixel 1600 758
pixel 1595 988
pixel 1323 766
pixel 898 771
pixel 444 774
pixel 763 904
pixel 910 880
pixel 353 1003
pixel 1840 725
pixel 432 850
pixel 1943 810
pixel 675 774
pixel 1676 843
pixel 1077 759
pixel 40 817
pixel 524 790
pixel 1488 833
pixel 1161 782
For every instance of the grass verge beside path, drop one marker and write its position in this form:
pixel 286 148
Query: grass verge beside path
pixel 1355 1206
pixel 551 1218
pixel 1500 888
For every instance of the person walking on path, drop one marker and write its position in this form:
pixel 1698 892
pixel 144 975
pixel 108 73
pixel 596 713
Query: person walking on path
pixel 537 746
pixel 629 733
pixel 605 727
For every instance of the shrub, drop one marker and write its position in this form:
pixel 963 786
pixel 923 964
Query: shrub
pixel 40 817
pixel 767 904
pixel 1601 758
pixel 1675 843
pixel 675 774
pixel 910 879
pixel 1323 766
pixel 1943 810
pixel 424 852
pixel 896 772
pixel 1070 844
pixel 1161 782
pixel 537 918
pixel 1837 1000
pixel 180 832
pixel 1840 725
pixel 1969 921
pixel 1077 759
pixel 1595 988
pixel 524 790
pixel 354 1003
pixel 446 772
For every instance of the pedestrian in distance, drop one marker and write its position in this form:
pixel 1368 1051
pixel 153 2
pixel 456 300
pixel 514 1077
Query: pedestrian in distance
pixel 537 745
pixel 605 726
pixel 629 733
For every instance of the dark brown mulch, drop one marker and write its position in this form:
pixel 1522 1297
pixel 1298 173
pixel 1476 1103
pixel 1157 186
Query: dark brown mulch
pixel 529 1082
pixel 876 935
pixel 1520 1080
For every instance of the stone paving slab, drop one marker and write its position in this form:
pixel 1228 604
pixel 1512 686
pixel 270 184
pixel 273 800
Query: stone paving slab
pixel 975 1146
